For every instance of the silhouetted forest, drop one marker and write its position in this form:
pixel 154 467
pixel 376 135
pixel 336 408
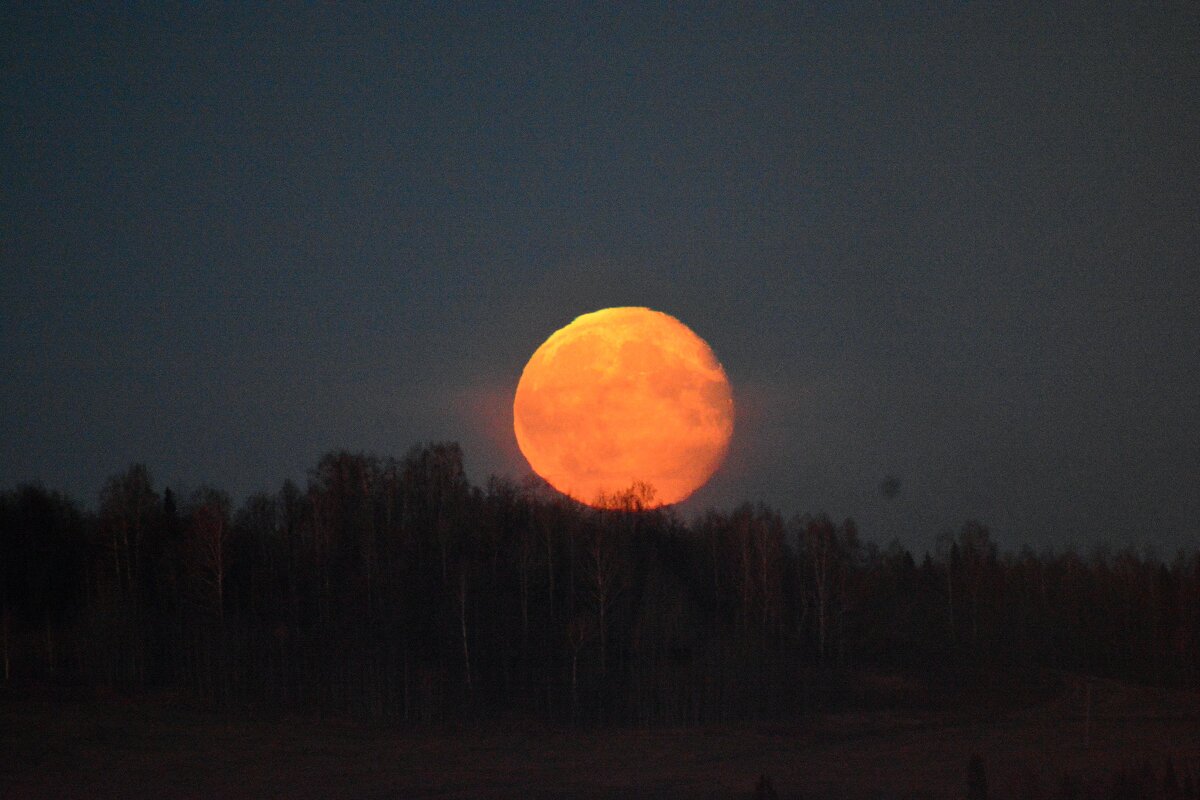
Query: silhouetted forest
pixel 392 588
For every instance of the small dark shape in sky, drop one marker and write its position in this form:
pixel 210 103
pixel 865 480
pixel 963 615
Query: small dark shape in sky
pixel 890 487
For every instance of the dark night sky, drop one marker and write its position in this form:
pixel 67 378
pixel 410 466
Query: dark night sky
pixel 958 246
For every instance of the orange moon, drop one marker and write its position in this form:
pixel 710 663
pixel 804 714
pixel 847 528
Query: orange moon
pixel 623 396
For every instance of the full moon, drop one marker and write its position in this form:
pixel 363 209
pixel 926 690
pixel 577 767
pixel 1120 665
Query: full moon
pixel 624 396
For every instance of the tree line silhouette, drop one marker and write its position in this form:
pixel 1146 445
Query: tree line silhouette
pixel 392 588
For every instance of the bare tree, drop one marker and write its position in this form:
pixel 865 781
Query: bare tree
pixel 208 537
pixel 820 540
pixel 579 633
pixel 602 572
pixel 127 504
pixel 462 620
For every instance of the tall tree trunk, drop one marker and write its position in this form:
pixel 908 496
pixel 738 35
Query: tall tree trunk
pixel 49 648
pixel 462 618
pixel 550 570
pixel 950 595
pixel 7 656
pixel 575 686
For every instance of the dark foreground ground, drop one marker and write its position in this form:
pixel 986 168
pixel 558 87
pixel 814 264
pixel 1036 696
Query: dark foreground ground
pixel 165 747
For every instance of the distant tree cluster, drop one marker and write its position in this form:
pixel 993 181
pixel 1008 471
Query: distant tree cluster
pixel 393 588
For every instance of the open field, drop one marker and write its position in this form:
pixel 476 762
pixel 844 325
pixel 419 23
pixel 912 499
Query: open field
pixel 166 747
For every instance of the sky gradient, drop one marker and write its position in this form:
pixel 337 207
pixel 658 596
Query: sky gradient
pixel 957 245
